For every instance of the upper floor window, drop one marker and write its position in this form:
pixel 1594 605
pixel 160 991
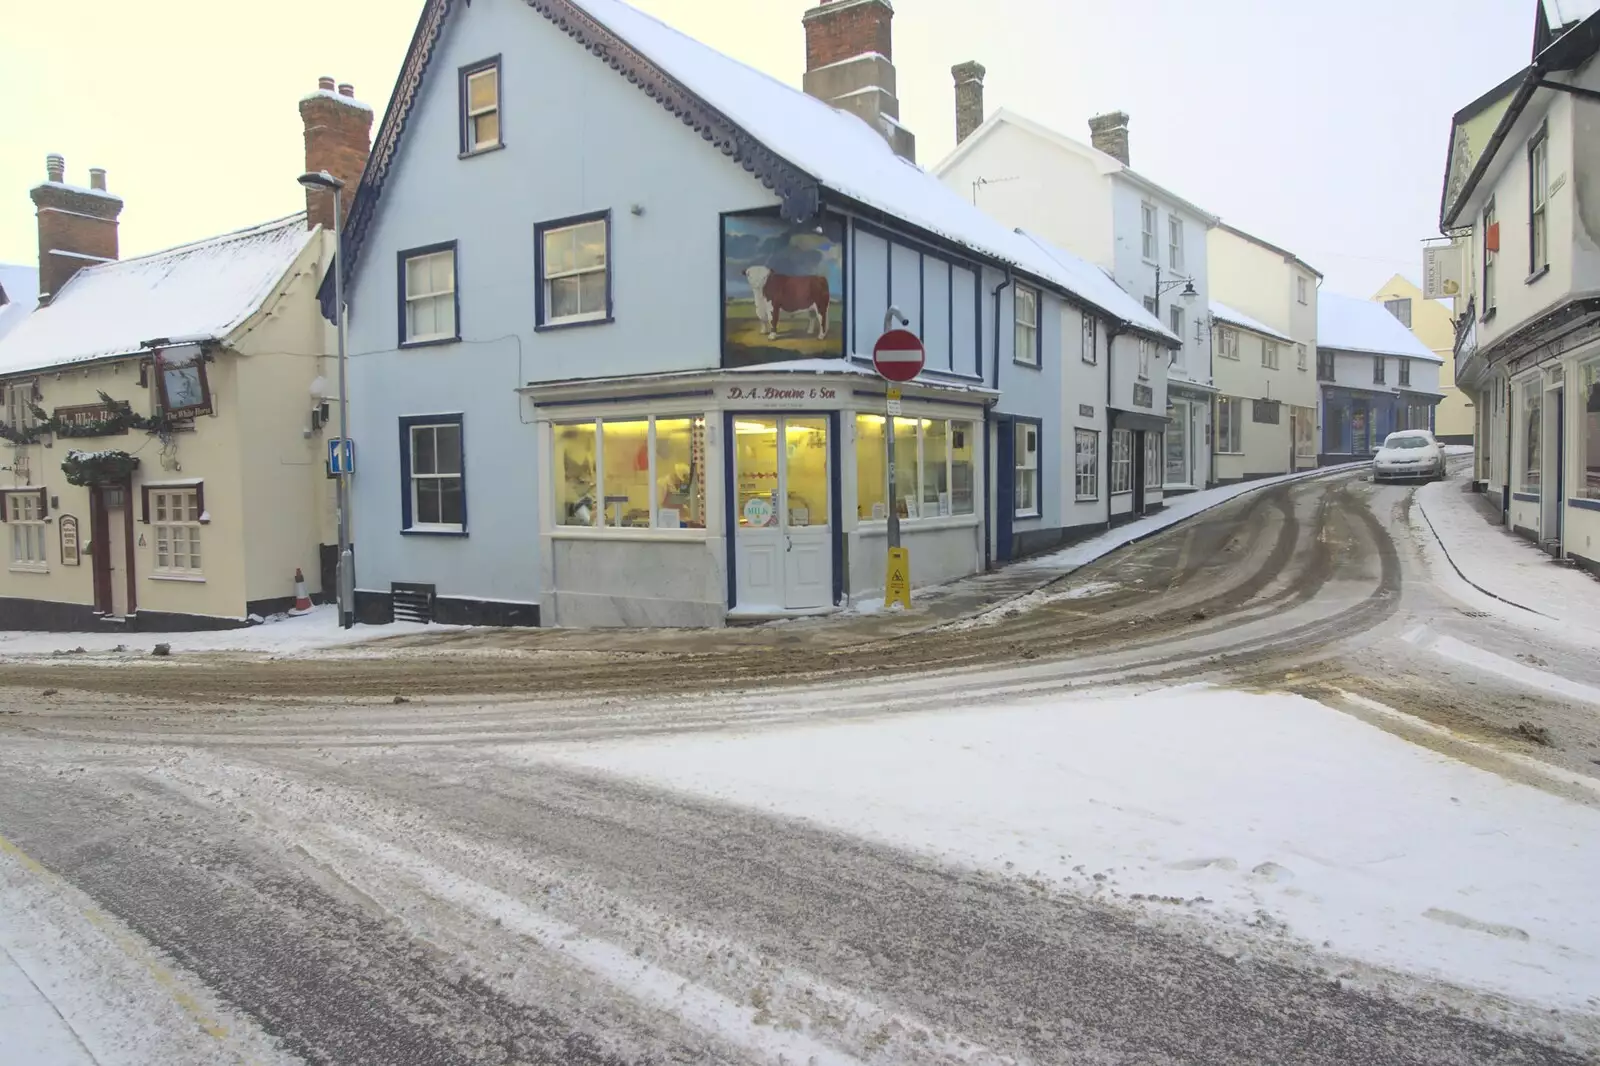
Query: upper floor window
pixel 428 302
pixel 1538 200
pixel 1324 365
pixel 574 270
pixel 1175 242
pixel 25 514
pixel 1300 356
pixel 480 106
pixel 1151 304
pixel 1146 346
pixel 1491 253
pixel 19 406
pixel 1090 353
pixel 1147 231
pixel 1405 371
pixel 1300 288
pixel 1400 309
pixel 1027 315
pixel 1377 370
pixel 1227 343
pixel 1269 354
pixel 1175 316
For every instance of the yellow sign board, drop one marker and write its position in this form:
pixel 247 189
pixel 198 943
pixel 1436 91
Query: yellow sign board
pixel 897 589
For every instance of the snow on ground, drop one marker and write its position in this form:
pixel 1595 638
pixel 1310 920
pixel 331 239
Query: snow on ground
pixel 1507 567
pixel 1052 593
pixel 1267 814
pixel 280 634
pixel 1176 510
pixel 77 988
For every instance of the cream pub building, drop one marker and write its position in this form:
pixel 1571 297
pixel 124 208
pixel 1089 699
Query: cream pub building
pixel 624 363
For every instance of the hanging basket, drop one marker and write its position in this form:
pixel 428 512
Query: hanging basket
pixel 99 468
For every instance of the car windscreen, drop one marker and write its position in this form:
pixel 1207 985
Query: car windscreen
pixel 1406 442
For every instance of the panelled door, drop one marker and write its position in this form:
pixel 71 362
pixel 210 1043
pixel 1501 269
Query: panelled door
pixel 783 543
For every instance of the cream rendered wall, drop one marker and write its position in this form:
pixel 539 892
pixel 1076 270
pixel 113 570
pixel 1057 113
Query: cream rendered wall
pixel 1266 447
pixel 1038 186
pixel 210 452
pixel 288 505
pixel 1433 325
pixel 1249 278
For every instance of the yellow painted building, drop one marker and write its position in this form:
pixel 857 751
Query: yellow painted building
pixel 1432 324
pixel 163 457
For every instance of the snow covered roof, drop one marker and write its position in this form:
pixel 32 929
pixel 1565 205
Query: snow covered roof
pixel 799 142
pixel 1095 286
pixel 199 291
pixel 1224 313
pixel 1565 12
pixel 1353 325
pixel 19 295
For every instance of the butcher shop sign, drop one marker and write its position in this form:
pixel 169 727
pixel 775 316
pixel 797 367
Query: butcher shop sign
pixel 778 394
pixel 782 290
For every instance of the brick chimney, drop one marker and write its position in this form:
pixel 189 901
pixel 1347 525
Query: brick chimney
pixel 1109 133
pixel 850 64
pixel 77 226
pixel 338 140
pixel 969 98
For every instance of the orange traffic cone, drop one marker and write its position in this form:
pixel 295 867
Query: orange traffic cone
pixel 302 598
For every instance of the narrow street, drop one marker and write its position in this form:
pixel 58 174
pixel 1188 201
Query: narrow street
pixel 411 853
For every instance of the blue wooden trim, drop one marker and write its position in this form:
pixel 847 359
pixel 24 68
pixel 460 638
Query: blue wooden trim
pixel 401 258
pixel 1526 497
pixel 406 422
pixel 539 230
pixel 462 74
pixel 730 501
pixel 1005 470
pixel 646 397
pixel 1585 504
pixel 917 245
pixel 836 491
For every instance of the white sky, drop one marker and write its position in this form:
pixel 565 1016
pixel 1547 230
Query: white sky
pixel 1318 126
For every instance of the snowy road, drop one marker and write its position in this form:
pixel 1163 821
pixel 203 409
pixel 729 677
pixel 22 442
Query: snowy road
pixel 1367 839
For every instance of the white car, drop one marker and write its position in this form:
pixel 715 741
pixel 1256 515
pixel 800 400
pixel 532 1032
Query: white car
pixel 1410 453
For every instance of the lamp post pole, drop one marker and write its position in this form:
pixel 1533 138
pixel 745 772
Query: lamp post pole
pixel 347 564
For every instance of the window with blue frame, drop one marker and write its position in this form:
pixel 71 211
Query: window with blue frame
pixel 433 489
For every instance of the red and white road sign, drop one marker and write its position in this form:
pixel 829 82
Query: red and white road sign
pixel 898 355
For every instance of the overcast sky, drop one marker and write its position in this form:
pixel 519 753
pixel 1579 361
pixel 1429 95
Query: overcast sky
pixel 1318 126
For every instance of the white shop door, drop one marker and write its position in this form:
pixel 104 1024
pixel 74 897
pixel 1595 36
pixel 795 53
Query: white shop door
pixel 783 545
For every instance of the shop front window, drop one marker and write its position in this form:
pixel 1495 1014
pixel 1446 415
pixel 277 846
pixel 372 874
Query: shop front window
pixel 934 464
pixel 1152 460
pixel 1532 413
pixel 1178 444
pixel 644 473
pixel 1121 461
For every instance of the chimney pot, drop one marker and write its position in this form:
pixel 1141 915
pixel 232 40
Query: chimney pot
pixel 346 89
pixel 97 178
pixel 55 169
pixel 76 227
pixel 325 83
pixel 969 98
pixel 1109 133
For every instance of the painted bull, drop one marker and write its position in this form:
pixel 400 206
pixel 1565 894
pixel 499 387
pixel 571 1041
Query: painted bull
pixel 777 293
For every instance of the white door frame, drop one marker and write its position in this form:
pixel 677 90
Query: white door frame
pixel 769 552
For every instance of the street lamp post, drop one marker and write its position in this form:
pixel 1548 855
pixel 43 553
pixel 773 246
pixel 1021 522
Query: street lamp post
pixel 1189 296
pixel 346 579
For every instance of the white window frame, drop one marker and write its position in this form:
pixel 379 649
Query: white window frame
pixel 437 295
pixel 169 502
pixel 1301 286
pixel 598 524
pixel 471 115
pixel 460 474
pixel 1026 464
pixel 917 474
pixel 1148 218
pixel 1086 464
pixel 1538 204
pixel 1175 320
pixel 1227 342
pixel 1155 460
pixel 1300 356
pixel 1121 462
pixel 1269 354
pixel 1588 481
pixel 1146 345
pixel 1026 336
pixel 1229 429
pixel 1178 419
pixel 19 405
pixel 1091 339
pixel 1174 242
pixel 1491 259
pixel 604 270
pixel 1530 475
pixel 25 516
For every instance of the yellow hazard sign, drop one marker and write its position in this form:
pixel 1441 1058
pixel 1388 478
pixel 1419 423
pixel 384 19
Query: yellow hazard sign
pixel 898 588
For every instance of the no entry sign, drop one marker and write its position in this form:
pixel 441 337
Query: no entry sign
pixel 898 355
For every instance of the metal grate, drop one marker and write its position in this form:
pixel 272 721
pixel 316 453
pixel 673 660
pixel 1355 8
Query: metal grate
pixel 412 602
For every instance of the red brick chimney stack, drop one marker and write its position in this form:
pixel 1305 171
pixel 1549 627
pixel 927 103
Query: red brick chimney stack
pixel 77 226
pixel 850 64
pixel 338 140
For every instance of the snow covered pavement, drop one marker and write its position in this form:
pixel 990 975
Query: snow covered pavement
pixel 1271 818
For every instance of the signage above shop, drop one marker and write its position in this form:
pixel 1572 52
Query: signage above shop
pixel 778 394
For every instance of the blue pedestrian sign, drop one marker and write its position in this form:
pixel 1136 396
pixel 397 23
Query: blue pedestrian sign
pixel 341 456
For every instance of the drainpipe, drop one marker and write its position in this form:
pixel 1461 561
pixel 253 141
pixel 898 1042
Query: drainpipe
pixel 988 437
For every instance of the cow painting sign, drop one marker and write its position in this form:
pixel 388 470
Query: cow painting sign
pixel 782 289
